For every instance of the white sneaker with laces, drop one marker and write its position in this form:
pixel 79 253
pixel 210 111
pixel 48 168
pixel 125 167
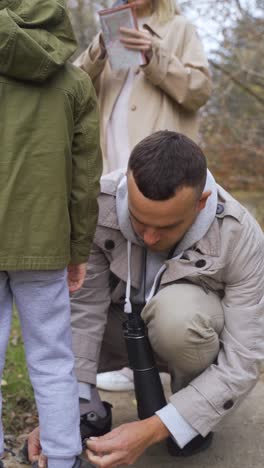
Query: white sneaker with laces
pixel 121 380
pixel 116 381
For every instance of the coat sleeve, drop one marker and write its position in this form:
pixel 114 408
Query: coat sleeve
pixel 86 172
pixel 89 309
pixel 184 78
pixel 224 384
pixel 90 62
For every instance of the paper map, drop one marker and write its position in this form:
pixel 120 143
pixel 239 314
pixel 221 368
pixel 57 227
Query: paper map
pixel 119 56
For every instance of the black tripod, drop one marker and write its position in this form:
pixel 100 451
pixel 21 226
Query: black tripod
pixel 148 387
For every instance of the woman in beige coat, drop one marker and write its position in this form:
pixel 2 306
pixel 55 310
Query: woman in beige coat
pixel 166 93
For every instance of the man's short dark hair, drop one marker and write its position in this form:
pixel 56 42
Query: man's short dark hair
pixel 166 161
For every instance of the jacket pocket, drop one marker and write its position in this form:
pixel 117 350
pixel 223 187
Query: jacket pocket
pixel 85 346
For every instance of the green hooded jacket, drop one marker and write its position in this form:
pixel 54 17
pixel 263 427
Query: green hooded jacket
pixel 50 159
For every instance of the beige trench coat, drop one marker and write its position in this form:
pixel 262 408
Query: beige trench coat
pixel 167 93
pixel 232 254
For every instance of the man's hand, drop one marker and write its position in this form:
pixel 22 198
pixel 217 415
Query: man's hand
pixel 34 449
pixel 76 276
pixel 126 443
pixel 137 40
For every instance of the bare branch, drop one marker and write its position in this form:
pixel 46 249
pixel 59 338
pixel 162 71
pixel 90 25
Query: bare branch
pixel 237 82
pixel 239 6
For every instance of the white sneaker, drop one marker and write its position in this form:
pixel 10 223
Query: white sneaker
pixel 121 380
pixel 116 381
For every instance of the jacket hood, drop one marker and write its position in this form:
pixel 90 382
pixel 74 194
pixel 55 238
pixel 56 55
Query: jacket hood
pixel 36 38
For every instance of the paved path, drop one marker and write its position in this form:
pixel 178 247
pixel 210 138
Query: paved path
pixel 238 443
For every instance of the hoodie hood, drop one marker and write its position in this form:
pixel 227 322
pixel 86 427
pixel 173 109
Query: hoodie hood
pixel 36 38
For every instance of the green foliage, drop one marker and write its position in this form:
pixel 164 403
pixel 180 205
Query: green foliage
pixel 19 414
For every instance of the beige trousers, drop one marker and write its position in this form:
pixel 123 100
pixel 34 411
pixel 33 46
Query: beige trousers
pixel 184 323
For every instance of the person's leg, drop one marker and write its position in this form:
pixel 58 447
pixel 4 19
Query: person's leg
pixel 42 300
pixel 114 373
pixel 6 305
pixel 88 328
pixel 96 418
pixel 113 355
pixel 184 323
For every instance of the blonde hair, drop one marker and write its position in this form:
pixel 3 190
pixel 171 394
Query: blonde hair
pixel 165 9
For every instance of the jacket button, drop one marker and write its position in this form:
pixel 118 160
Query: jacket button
pixel 228 404
pixel 109 244
pixel 133 108
pixel 220 208
pixel 200 263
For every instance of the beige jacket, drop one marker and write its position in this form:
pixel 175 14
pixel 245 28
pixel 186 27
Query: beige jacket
pixel 166 94
pixel 229 260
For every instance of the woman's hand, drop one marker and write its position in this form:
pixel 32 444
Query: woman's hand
pixel 137 40
pixel 103 50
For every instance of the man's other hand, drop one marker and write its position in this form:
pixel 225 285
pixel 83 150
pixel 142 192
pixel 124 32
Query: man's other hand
pixel 76 276
pixel 126 443
pixel 34 449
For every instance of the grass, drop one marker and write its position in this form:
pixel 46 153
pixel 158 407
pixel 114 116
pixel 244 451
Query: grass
pixel 19 413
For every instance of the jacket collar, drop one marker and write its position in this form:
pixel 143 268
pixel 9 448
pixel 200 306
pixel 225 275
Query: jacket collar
pixel 107 199
pixel 155 28
pixel 210 243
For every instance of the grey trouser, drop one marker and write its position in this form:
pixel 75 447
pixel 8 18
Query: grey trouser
pixel 42 301
pixel 184 323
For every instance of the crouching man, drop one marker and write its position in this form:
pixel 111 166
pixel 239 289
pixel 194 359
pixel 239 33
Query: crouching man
pixel 204 283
